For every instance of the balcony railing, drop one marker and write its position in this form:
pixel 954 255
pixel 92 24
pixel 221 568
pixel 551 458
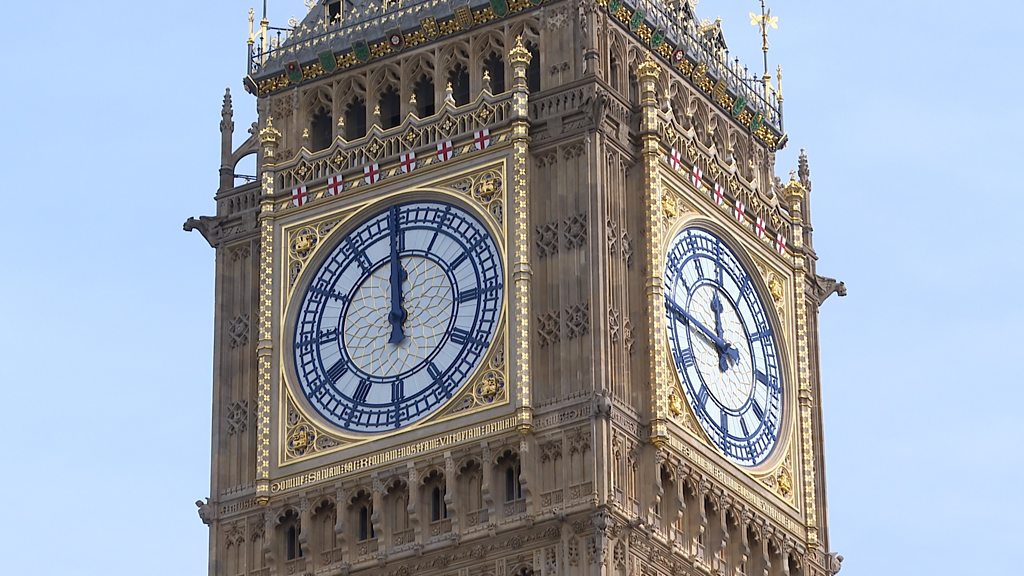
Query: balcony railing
pixel 356 18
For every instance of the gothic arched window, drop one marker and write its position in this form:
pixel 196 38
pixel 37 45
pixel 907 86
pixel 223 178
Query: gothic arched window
pixel 355 119
pixel 320 130
pixel 390 108
pixel 459 79
pixel 495 67
pixel 423 89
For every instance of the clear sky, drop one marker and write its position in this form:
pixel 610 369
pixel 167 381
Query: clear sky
pixel 909 112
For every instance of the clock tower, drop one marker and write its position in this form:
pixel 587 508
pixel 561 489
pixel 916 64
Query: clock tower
pixel 513 291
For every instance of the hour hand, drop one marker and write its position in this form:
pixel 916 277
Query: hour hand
pixel 678 311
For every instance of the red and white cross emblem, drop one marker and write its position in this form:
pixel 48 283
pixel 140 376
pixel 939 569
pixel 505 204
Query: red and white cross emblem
pixel 759 226
pixel 780 243
pixel 335 184
pixel 674 160
pixel 481 139
pixel 696 176
pixel 444 150
pixel 408 161
pixel 371 173
pixel 299 196
pixel 739 210
pixel 719 194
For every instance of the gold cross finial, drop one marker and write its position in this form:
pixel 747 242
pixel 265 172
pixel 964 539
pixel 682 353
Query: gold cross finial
pixel 764 20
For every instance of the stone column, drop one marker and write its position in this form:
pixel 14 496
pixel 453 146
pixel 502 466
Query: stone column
pixel 519 236
pixel 650 144
pixel 269 138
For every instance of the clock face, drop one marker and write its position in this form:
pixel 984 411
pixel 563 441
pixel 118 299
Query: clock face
pixel 723 346
pixel 398 316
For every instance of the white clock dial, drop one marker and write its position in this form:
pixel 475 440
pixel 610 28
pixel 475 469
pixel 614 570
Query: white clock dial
pixel 723 346
pixel 398 316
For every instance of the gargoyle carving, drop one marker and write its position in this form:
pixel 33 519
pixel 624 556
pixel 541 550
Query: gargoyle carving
pixel 825 287
pixel 208 226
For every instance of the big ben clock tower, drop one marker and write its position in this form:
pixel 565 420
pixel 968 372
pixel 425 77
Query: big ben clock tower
pixel 514 291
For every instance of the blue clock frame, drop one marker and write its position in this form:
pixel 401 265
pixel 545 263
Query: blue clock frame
pixel 398 316
pixel 723 346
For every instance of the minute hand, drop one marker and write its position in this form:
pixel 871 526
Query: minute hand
pixel 397 314
pixel 720 343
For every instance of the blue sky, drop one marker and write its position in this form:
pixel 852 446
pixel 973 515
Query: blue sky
pixel 910 116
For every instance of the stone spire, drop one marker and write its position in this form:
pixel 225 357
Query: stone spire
pixel 803 171
pixel 227 129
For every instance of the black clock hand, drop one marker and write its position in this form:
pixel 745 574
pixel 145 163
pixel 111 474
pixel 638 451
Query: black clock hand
pixel 397 315
pixel 723 355
pixel 724 348
pixel 674 308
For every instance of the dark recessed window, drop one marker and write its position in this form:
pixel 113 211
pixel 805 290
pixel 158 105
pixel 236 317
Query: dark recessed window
pixel 495 66
pixel 320 130
pixel 390 108
pixel 355 119
pixel 459 79
pixel 424 91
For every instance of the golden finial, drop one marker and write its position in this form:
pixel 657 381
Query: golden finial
pixel 341 123
pixel 449 97
pixel 794 187
pixel 648 68
pixel 519 53
pixel 412 99
pixel 487 80
pixel 252 35
pixel 765 20
pixel 778 90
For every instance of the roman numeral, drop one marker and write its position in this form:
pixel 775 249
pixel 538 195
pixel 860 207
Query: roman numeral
pixel 763 378
pixel 702 397
pixel 475 292
pixel 434 372
pixel 361 258
pixel 462 337
pixel 725 423
pixel 340 368
pixel 362 391
pixel 758 411
pixel 397 390
pixel 757 336
pixel 686 357
pixel 468 295
pixel 328 336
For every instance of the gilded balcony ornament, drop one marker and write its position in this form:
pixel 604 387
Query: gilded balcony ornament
pixel 269 134
pixel 519 53
pixel 648 68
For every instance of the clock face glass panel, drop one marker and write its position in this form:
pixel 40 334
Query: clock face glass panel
pixel 723 346
pixel 398 316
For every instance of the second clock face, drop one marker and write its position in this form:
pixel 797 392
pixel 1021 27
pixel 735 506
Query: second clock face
pixel 723 346
pixel 398 316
